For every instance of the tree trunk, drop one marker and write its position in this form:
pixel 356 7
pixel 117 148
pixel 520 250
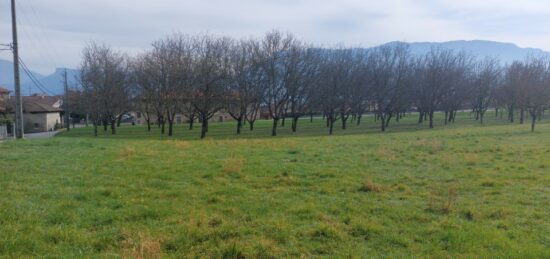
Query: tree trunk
pixel 533 121
pixel 170 128
pixel 204 128
pixel 331 127
pixel 148 125
pixel 382 123
pixel 95 128
pixel 359 120
pixel 446 117
pixel 239 125
pixel 191 121
pixel 421 118
pixel 113 127
pixel 283 121
pixel 251 125
pixel 388 120
pixel 274 128
pixel 481 116
pixel 119 120
pixel 105 125
pixel 294 124
pixel 431 114
pixel 162 127
pixel 344 121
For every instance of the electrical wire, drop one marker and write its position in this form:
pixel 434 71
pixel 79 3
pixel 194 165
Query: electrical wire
pixel 33 78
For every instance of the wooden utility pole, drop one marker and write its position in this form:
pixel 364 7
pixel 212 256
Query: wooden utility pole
pixel 66 102
pixel 19 128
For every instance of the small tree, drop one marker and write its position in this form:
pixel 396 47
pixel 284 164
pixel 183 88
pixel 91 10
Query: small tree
pixel 104 79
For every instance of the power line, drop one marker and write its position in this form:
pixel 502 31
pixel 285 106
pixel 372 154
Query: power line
pixel 33 78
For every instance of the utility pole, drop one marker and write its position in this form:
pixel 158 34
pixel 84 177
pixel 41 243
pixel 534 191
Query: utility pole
pixel 19 128
pixel 66 103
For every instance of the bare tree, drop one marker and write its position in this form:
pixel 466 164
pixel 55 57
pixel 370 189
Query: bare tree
pixel 211 75
pixel 244 95
pixel 104 78
pixel 536 75
pixel 336 78
pixel 300 90
pixel 390 71
pixel 486 81
pixel 279 72
pixel 145 88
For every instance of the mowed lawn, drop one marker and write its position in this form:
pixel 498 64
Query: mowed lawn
pixel 461 190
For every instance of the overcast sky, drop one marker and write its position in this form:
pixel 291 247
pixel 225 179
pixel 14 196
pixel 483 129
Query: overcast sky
pixel 53 32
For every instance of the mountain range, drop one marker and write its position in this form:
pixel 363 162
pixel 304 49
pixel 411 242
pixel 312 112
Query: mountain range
pixel 53 82
pixel 506 52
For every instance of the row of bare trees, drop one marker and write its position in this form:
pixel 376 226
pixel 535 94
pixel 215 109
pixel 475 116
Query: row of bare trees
pixel 278 75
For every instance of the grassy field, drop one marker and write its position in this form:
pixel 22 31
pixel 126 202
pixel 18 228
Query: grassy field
pixel 462 190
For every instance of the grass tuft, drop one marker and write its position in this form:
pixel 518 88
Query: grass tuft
pixel 142 247
pixel 370 186
pixel 234 164
pixel 126 153
pixel 443 203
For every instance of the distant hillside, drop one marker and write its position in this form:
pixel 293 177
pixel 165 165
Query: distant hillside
pixel 506 52
pixel 6 75
pixel 52 82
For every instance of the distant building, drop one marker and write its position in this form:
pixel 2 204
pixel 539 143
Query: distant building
pixel 4 98
pixel 40 112
pixel 5 121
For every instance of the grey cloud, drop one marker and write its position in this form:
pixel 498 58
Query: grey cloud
pixel 132 24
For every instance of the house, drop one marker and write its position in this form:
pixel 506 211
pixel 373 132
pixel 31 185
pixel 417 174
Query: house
pixel 40 112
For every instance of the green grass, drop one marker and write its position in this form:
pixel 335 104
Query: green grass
pixel 462 190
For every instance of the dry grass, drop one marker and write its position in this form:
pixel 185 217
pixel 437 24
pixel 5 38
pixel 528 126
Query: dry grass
pixel 443 202
pixel 181 144
pixel 370 186
pixel 126 153
pixel 386 154
pixel 471 159
pixel 432 146
pixel 233 164
pixel 144 247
